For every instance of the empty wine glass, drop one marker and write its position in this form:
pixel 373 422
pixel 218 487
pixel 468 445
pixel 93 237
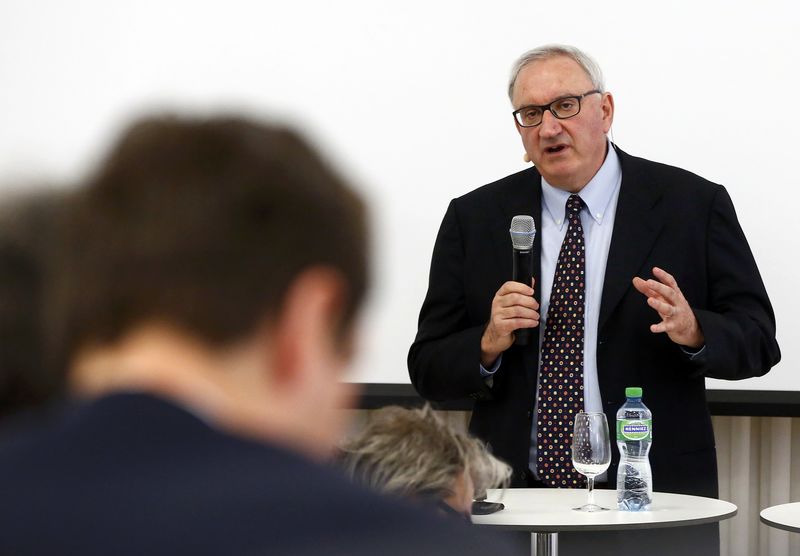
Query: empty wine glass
pixel 591 452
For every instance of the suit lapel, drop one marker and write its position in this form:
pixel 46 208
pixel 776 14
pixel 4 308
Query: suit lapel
pixel 637 224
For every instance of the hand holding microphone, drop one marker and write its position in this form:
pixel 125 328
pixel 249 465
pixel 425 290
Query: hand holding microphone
pixel 523 232
pixel 514 310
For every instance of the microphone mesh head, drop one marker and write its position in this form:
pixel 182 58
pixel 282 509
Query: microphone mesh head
pixel 523 231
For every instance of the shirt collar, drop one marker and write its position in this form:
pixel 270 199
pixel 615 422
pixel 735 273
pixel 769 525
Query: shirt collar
pixel 597 194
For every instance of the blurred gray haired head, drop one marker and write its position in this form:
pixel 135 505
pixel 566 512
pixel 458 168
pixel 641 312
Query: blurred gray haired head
pixel 548 51
pixel 415 453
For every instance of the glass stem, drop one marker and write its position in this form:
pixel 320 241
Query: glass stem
pixel 590 486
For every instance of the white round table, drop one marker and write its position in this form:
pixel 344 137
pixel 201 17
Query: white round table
pixel 546 512
pixel 783 516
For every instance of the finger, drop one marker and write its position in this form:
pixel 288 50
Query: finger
pixel 508 326
pixel 663 290
pixel 664 325
pixel 665 310
pixel 658 327
pixel 525 323
pixel 665 277
pixel 642 287
pixel 516 299
pixel 646 289
pixel 517 312
pixel 515 287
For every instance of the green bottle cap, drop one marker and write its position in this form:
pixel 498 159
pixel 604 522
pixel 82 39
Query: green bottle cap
pixel 633 392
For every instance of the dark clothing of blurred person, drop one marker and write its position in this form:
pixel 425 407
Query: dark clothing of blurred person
pixel 136 474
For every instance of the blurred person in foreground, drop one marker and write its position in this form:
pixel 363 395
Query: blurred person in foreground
pixel 212 273
pixel 415 454
pixel 27 243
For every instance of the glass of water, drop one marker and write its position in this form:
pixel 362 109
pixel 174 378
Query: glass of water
pixel 591 452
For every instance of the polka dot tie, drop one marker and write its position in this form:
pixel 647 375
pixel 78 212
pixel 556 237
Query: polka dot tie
pixel 561 362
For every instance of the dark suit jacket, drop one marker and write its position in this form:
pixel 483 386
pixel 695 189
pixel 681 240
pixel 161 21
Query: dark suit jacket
pixel 134 475
pixel 666 217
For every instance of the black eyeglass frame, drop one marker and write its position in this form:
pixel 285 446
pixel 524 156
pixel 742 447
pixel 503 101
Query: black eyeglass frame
pixel 549 107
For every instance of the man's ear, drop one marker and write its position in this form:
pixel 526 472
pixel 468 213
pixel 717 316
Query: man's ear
pixel 608 111
pixel 304 333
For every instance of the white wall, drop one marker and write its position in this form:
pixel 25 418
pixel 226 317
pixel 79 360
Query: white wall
pixel 409 98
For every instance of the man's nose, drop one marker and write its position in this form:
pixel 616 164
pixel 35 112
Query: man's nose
pixel 550 126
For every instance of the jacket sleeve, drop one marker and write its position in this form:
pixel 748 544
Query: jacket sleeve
pixel 739 323
pixel 444 360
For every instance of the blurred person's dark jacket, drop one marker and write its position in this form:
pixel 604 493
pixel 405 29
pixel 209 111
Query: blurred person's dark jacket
pixel 132 474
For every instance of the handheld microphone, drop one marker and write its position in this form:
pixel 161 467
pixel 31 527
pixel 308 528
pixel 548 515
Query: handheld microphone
pixel 523 232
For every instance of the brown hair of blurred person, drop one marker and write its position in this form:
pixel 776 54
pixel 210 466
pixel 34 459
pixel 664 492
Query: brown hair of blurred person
pixel 208 231
pixel 27 243
pixel 237 211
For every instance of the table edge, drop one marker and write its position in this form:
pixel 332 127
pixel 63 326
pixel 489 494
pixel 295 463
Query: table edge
pixel 777 525
pixel 612 526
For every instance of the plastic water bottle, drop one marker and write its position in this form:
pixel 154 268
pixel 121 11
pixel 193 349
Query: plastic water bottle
pixel 634 436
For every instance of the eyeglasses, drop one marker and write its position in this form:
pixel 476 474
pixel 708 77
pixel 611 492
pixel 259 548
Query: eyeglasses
pixel 562 108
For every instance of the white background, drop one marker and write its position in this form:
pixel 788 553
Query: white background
pixel 409 99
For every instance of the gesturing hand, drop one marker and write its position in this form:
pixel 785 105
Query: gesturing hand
pixel 513 307
pixel 677 317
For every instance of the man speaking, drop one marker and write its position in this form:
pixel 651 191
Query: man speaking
pixel 642 268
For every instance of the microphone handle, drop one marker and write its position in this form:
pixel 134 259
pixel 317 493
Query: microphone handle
pixel 523 272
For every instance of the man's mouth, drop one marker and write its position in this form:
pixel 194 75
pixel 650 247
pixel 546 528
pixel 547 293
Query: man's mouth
pixel 555 149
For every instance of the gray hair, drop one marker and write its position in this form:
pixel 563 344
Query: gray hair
pixel 547 51
pixel 414 453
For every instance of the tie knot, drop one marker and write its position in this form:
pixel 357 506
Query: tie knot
pixel 574 204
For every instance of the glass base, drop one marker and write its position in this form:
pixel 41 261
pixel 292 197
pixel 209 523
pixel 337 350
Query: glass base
pixel 591 508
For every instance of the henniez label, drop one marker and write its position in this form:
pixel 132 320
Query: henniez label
pixel 634 429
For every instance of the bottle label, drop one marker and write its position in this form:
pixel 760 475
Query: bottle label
pixel 634 429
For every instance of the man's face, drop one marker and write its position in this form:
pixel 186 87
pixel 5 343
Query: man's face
pixel 568 153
